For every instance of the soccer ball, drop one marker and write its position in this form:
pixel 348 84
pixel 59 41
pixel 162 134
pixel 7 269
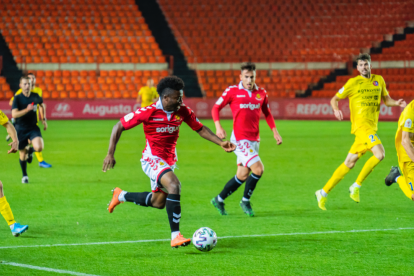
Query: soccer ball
pixel 204 239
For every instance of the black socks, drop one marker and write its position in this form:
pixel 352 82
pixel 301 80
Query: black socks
pixel 142 199
pixel 251 185
pixel 231 186
pixel 174 211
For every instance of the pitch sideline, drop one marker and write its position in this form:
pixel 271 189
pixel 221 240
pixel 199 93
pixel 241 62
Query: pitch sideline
pixel 46 269
pixel 223 237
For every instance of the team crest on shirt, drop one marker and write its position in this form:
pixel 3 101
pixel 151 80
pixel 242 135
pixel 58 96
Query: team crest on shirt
pixel 162 163
pixel 177 118
pixel 251 151
pixel 408 123
pixel 258 96
pixel 375 83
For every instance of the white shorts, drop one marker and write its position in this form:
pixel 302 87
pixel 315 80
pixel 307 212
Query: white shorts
pixel 247 151
pixel 154 167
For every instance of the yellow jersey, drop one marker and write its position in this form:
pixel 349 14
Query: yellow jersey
pixel 405 123
pixel 147 94
pixel 3 118
pixel 364 100
pixel 37 90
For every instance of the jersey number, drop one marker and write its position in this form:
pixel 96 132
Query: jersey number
pixel 411 184
pixel 372 137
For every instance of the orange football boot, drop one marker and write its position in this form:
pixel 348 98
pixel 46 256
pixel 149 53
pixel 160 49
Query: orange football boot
pixel 115 201
pixel 180 241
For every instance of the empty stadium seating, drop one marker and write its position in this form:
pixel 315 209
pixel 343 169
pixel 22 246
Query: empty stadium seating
pixel 402 50
pixel 294 31
pixel 5 92
pixel 99 31
pixel 278 83
pixel 63 84
pixel 399 81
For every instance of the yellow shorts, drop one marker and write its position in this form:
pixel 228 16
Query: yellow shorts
pixel 365 139
pixel 407 170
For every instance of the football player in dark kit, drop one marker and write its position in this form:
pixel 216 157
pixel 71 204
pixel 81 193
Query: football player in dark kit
pixel 24 111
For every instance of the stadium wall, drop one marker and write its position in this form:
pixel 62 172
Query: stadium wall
pixel 300 109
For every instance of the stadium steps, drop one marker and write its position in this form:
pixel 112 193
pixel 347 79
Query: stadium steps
pixel 168 45
pixel 10 69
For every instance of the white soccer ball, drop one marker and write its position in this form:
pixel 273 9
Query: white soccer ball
pixel 204 239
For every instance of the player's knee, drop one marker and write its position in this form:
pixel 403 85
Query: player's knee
pixel 350 164
pixel 258 171
pixel 380 156
pixel 174 187
pixel 38 148
pixel 158 205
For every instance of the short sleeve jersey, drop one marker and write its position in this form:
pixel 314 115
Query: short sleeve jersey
pixel 147 94
pixel 364 100
pixel 3 118
pixel 20 102
pixel 405 123
pixel 161 128
pixel 36 90
pixel 246 107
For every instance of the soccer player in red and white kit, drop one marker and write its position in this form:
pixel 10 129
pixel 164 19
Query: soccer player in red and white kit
pixel 161 121
pixel 246 100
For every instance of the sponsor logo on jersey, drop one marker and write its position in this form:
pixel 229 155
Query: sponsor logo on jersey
pixel 169 129
pixel 220 100
pixel 341 90
pixel 158 119
pixel 375 83
pixel 241 96
pixel 250 106
pixel 369 90
pixel 369 104
pixel 408 123
pixel 128 117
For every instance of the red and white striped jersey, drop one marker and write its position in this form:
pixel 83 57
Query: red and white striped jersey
pixel 161 128
pixel 245 106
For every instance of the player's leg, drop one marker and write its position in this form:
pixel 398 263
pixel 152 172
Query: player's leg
pixel 231 186
pixel 257 169
pixel 405 181
pixel 173 205
pixel 338 175
pixel 7 214
pixel 23 164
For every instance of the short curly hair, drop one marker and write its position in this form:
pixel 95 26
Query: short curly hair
pixel 169 83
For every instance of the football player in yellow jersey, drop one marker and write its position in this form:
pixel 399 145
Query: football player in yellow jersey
pixel 147 95
pixel 365 93
pixel 404 141
pixel 37 90
pixel 5 209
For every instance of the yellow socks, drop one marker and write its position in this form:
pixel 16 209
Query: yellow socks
pixel 367 169
pixel 39 156
pixel 405 187
pixel 337 176
pixel 5 211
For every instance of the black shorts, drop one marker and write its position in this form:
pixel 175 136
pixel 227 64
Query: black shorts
pixel 25 134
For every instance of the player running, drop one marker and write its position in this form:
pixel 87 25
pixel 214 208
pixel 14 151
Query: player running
pixel 5 209
pixel 24 111
pixel 39 155
pixel 246 100
pixel 364 92
pixel 404 143
pixel 161 121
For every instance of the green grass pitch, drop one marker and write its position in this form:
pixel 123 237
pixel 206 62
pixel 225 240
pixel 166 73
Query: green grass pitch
pixel 67 205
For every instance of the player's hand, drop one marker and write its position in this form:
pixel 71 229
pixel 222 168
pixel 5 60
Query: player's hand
pixel 278 138
pixel 14 147
pixel 30 107
pixel 221 133
pixel 228 146
pixel 44 125
pixel 401 103
pixel 338 114
pixel 109 163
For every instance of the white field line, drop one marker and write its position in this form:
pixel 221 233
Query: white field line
pixel 224 237
pixel 46 269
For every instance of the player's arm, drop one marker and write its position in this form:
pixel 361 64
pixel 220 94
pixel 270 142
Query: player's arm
pixel 139 98
pixel 215 112
pixel 207 134
pixel 406 143
pixel 388 101
pixel 42 108
pixel 271 121
pixel 334 103
pixel 13 135
pixel 109 161
pixel 16 113
pixel 11 101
